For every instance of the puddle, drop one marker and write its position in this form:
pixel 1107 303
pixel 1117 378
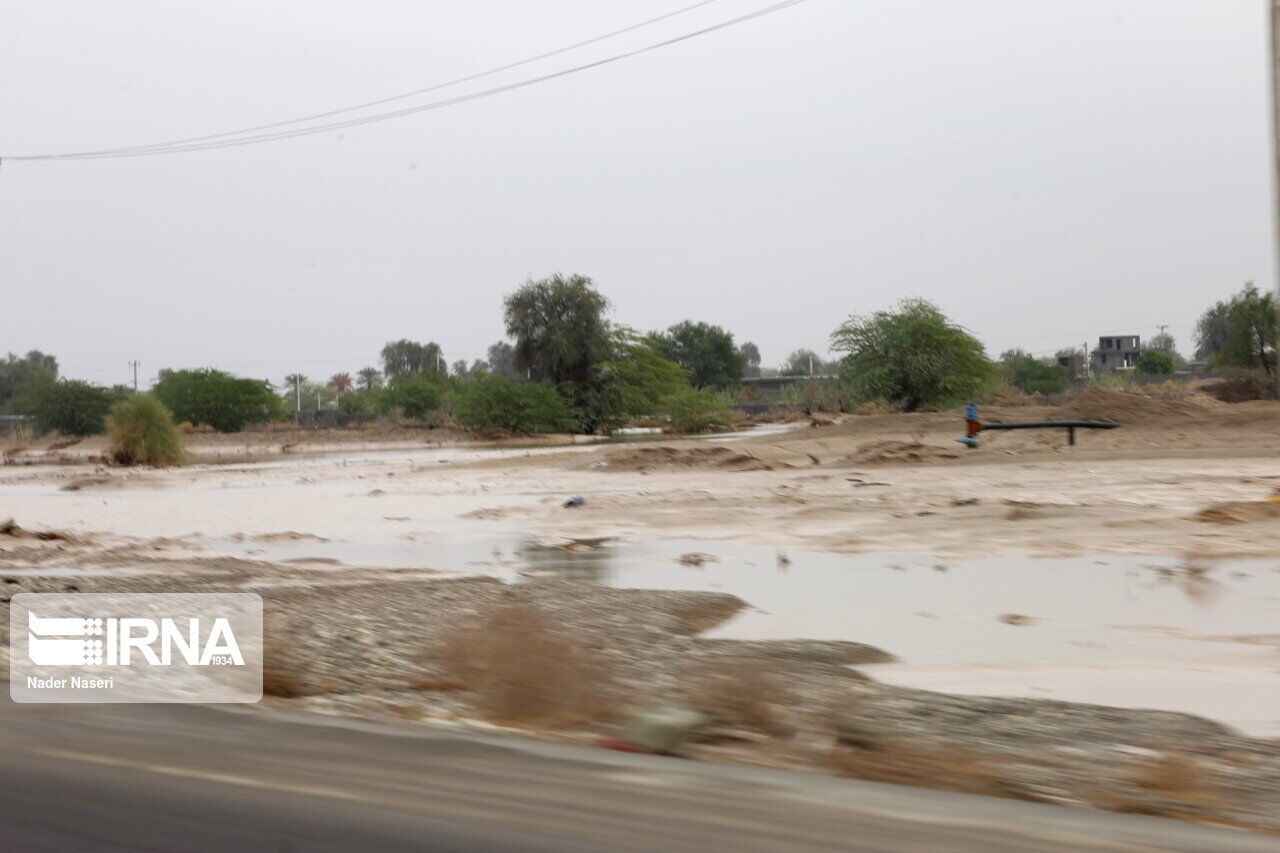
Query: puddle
pixel 1127 631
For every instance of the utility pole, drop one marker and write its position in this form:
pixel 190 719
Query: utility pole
pixel 1274 30
pixel 134 364
pixel 297 395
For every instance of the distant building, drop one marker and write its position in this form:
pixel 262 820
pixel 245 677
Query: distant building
pixel 1116 352
pixel 1073 364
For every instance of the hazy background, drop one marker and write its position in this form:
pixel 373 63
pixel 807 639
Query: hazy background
pixel 1047 171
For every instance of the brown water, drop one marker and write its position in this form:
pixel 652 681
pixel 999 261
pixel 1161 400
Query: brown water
pixel 1129 631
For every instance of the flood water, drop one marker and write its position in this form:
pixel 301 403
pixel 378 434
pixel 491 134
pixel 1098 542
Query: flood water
pixel 1201 638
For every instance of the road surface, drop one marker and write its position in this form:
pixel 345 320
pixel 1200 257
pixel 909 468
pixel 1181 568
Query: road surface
pixel 169 777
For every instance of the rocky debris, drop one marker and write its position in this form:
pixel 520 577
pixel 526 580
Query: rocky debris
pixel 891 452
pixel 278 536
pixel 696 558
pixel 664 458
pixel 575 501
pixel 662 730
pixel 85 483
pixel 1017 619
pixel 1239 512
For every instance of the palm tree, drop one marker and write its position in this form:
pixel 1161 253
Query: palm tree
pixel 370 378
pixel 340 383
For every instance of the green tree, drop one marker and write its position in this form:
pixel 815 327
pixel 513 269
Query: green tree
pixel 369 378
pixel 1251 335
pixel 502 361
pixel 415 396
pixel 493 402
pixel 696 410
pixel 70 406
pixel 751 355
pixel 459 369
pixel 1212 330
pixel 634 381
pixel 143 433
pixel 1033 375
pixel 16 370
pixel 1154 362
pixel 804 362
pixel 560 329
pixel 225 402
pixel 913 355
pixel 405 357
pixel 1165 343
pixel 706 351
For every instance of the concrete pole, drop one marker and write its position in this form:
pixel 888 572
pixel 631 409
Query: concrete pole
pixel 1273 30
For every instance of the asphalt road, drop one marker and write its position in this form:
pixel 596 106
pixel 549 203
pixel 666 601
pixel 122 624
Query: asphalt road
pixel 167 777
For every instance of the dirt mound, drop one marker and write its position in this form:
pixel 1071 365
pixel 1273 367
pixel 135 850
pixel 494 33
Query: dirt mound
pixel 682 458
pixel 1241 387
pixel 1122 407
pixel 890 452
pixel 1239 512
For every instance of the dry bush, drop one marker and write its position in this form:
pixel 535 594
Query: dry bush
pixel 1240 386
pixel 1004 394
pixel 920 764
pixel 1171 775
pixel 746 695
pixel 282 680
pixel 1168 785
pixel 525 670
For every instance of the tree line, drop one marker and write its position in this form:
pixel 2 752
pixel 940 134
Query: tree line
pixel 567 366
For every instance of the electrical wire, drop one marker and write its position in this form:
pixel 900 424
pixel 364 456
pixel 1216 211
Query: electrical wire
pixel 424 90
pixel 211 143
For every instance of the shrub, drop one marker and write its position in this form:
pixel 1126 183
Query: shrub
pixel 225 402
pixel 694 410
pixel 524 669
pixel 494 402
pixel 415 396
pixel 1033 375
pixel 70 406
pixel 914 354
pixel 1153 362
pixel 143 433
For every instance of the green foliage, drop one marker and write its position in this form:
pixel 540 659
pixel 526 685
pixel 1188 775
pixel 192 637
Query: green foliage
pixel 366 401
pixel 913 355
pixel 225 402
pixel 143 433
pixel 501 361
pixel 492 402
pixel 1240 332
pixel 1153 361
pixel 70 406
pixel 637 376
pixel 1033 375
pixel 405 358
pixel 15 371
pixel 369 378
pixel 751 355
pixel 1165 343
pixel 560 330
pixel 1251 331
pixel 706 351
pixel 806 362
pixel 415 396
pixel 696 410
pixel 1212 330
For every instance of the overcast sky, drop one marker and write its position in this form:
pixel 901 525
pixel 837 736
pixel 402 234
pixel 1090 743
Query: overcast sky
pixel 1046 170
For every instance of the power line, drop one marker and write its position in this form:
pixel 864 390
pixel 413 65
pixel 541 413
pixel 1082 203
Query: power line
pixel 424 90
pixel 163 148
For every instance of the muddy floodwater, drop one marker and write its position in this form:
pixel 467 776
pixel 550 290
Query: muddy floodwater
pixel 1197 637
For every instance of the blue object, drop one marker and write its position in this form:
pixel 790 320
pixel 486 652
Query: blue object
pixel 971 412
